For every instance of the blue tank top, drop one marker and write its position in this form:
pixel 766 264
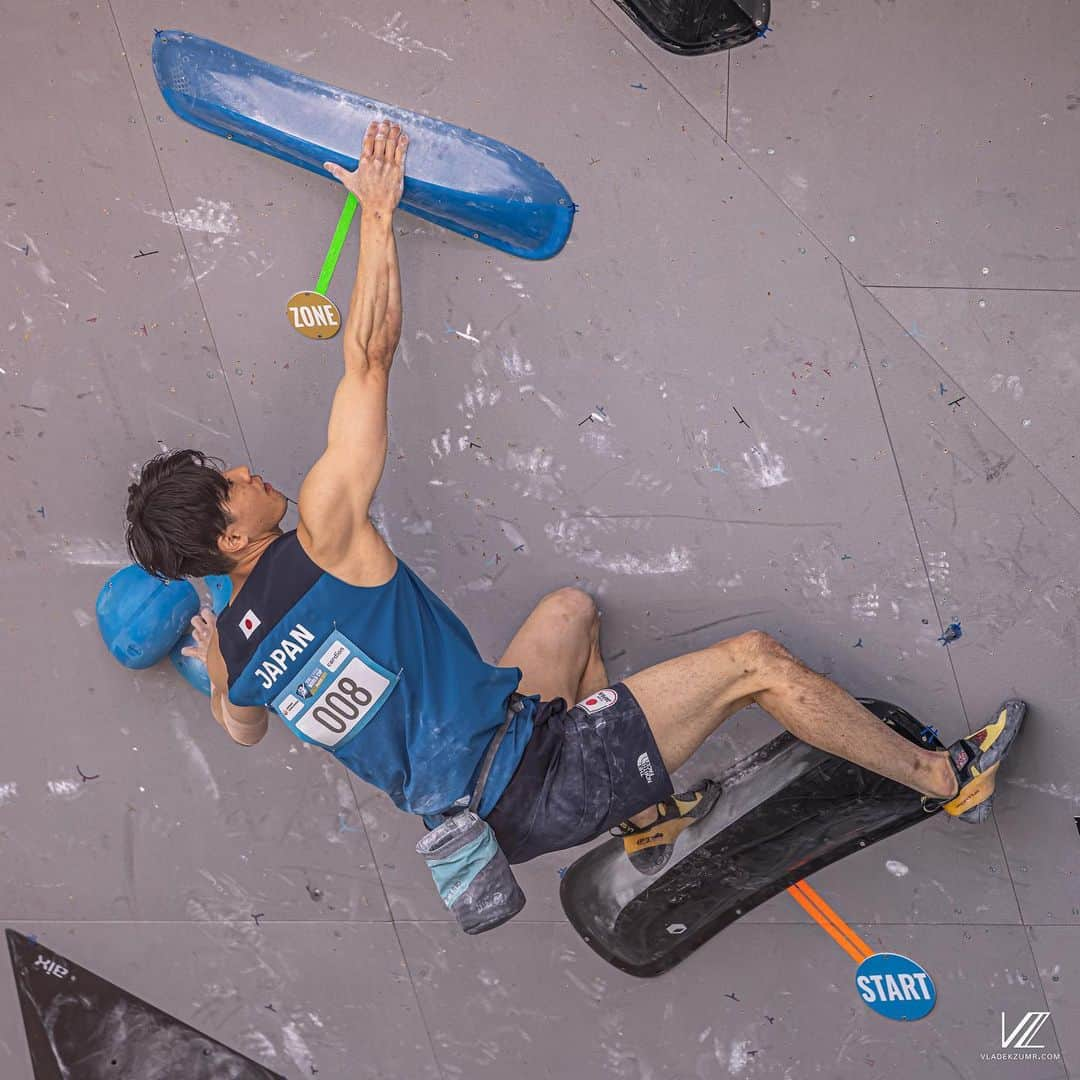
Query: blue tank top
pixel 386 678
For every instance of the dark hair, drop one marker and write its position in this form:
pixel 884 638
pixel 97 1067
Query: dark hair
pixel 175 514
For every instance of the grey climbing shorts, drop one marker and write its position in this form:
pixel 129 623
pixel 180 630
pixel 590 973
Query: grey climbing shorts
pixel 584 770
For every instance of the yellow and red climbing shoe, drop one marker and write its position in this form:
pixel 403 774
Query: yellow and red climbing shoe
pixel 975 760
pixel 650 846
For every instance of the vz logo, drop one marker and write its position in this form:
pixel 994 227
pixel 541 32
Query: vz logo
pixel 1024 1032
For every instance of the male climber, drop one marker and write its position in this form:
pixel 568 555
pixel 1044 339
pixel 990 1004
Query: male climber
pixel 331 631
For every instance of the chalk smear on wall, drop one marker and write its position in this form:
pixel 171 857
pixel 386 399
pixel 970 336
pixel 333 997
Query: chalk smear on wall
pixel 1064 791
pixel 556 410
pixel 297 1048
pixel 213 216
pixel 765 468
pixel 195 755
pixel 1011 384
pixel 513 536
pixel 937 563
pixel 515 365
pixel 63 789
pixel 214 220
pixel 477 397
pixel 90 551
pixel 576 538
pixel 819 580
pixel 393 33
pixel 866 604
pixel 540 476
pixel 513 282
pixel 257 1045
pixel 675 561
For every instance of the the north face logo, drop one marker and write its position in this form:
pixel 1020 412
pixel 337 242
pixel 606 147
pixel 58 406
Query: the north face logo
pixel 644 766
pixel 250 623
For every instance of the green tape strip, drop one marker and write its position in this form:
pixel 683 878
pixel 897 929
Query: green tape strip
pixel 333 253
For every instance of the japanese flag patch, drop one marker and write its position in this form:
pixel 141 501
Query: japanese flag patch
pixel 249 623
pixel 602 699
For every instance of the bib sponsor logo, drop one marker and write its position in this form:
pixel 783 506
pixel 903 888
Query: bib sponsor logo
pixel 250 623
pixel 291 706
pixel 645 767
pixel 310 686
pixel 602 699
pixel 331 659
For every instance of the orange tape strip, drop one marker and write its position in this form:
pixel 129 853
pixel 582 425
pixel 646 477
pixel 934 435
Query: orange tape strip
pixel 813 904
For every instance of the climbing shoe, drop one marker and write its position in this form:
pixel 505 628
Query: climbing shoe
pixel 650 846
pixel 975 760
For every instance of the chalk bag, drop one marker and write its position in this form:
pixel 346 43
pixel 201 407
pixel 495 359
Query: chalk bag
pixel 471 872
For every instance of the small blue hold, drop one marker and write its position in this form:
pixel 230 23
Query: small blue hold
pixel 220 588
pixel 952 632
pixel 190 667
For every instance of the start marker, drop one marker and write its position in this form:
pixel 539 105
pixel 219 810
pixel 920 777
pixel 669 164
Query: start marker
pixel 895 986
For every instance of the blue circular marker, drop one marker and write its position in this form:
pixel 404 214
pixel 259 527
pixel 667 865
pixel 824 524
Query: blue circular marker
pixel 895 986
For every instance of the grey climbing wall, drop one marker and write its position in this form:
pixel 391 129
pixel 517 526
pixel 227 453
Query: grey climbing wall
pixel 808 364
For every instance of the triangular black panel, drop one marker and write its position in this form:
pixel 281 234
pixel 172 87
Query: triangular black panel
pixel 80 1026
pixel 699 26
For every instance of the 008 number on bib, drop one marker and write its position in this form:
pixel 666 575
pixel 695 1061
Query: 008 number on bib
pixel 335 695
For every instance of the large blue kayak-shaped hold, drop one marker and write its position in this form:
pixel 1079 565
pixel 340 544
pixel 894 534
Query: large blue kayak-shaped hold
pixel 456 178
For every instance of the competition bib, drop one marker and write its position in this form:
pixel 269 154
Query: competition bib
pixel 336 695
